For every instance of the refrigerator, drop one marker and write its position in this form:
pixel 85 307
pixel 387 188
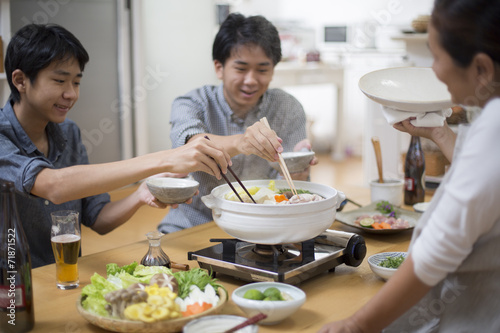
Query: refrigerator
pixel 121 114
pixel 95 24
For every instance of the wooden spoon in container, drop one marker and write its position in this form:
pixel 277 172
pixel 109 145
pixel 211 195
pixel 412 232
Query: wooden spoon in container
pixel 378 156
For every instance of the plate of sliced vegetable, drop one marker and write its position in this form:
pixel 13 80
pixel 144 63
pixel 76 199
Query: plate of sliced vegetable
pixel 137 298
pixel 379 218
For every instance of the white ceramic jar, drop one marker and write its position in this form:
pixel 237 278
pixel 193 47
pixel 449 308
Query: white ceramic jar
pixel 390 190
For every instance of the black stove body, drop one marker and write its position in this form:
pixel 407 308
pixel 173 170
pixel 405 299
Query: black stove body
pixel 289 263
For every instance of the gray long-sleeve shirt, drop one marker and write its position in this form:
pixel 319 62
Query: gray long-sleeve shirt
pixel 205 110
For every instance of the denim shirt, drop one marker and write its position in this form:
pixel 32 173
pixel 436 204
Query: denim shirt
pixel 20 163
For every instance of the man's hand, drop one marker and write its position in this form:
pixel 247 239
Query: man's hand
pixel 200 154
pixel 261 141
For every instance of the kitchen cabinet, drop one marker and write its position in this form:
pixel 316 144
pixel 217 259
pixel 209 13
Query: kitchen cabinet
pixel 416 48
pixel 5 33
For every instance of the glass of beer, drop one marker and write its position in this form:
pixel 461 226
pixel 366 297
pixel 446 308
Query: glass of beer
pixel 65 238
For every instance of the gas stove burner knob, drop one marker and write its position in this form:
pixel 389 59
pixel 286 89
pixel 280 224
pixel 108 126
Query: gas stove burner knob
pixel 359 252
pixel 355 251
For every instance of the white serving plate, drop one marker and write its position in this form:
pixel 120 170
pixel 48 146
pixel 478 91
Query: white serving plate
pixel 413 89
pixel 349 217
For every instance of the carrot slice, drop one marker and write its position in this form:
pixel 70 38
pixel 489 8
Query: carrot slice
pixel 280 197
pixel 376 225
pixel 195 308
pixel 385 225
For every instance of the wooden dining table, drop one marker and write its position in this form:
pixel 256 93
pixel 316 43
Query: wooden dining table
pixel 330 295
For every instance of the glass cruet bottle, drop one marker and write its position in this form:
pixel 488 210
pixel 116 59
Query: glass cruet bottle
pixel 155 255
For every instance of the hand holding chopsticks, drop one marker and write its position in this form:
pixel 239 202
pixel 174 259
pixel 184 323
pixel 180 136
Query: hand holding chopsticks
pixel 237 179
pixel 282 163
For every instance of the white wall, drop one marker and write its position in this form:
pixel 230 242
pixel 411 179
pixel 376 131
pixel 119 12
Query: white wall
pixel 178 38
pixel 321 12
pixel 372 23
pixel 367 15
pixel 177 43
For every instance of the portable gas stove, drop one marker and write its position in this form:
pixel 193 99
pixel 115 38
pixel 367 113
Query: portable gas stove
pixel 289 263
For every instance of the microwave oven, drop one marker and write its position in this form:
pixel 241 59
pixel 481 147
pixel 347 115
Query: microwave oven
pixel 335 34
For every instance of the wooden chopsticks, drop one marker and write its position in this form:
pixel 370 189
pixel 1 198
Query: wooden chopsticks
pixel 237 179
pixel 250 321
pixel 282 164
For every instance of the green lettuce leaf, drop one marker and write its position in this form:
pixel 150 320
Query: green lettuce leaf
pixel 113 269
pixel 126 279
pixel 126 276
pixel 145 273
pixel 93 294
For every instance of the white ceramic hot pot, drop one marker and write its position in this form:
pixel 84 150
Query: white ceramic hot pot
pixel 274 224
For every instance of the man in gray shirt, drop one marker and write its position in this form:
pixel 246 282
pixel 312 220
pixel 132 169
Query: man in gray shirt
pixel 245 52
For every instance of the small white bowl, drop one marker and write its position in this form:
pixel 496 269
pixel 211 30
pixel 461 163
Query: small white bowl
pixel 383 272
pixel 296 161
pixel 172 190
pixel 216 324
pixel 276 311
pixel 421 207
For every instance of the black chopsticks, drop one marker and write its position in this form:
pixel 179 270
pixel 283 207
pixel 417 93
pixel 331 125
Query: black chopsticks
pixel 237 179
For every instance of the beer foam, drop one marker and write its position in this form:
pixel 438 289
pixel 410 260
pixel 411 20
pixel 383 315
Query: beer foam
pixel 67 238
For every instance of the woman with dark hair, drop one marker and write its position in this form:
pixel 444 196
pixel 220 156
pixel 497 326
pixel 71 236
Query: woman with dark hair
pixel 42 153
pixel 450 279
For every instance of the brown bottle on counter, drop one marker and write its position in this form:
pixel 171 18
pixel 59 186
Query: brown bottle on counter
pixel 414 173
pixel 16 288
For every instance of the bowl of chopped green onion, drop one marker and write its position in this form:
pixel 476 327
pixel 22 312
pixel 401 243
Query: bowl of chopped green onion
pixel 385 264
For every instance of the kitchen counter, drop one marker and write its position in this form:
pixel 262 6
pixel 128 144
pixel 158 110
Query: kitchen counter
pixel 330 296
